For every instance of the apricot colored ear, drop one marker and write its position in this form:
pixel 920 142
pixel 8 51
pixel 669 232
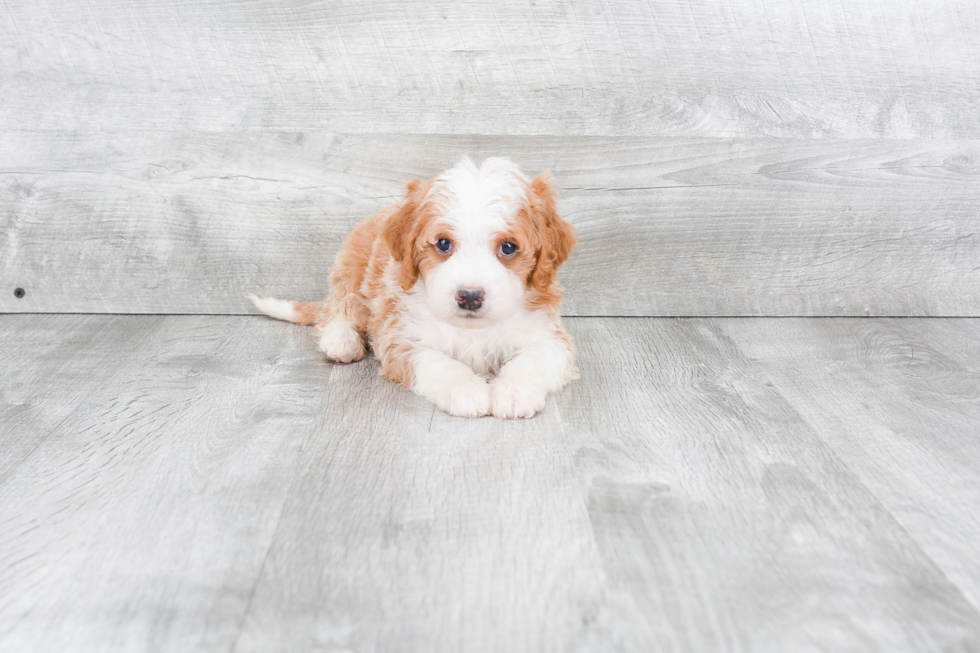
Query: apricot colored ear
pixel 557 236
pixel 399 233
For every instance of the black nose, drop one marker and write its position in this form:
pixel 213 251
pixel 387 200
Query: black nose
pixel 470 299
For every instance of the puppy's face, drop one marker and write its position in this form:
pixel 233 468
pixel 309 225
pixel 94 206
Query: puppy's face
pixel 484 242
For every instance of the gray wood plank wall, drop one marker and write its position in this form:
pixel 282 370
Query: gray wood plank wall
pixel 788 158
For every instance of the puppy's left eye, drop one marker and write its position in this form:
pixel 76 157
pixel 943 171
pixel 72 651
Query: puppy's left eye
pixel 508 248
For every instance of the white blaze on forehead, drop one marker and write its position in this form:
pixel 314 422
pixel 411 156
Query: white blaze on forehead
pixel 479 201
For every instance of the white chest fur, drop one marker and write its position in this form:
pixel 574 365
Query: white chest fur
pixel 483 349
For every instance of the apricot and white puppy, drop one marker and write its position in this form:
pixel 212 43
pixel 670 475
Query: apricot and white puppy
pixel 455 290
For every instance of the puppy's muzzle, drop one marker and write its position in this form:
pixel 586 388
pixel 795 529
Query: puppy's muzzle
pixel 470 299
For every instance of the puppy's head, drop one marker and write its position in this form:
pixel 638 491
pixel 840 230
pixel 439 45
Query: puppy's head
pixel 483 242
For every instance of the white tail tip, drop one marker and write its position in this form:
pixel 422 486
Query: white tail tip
pixel 280 309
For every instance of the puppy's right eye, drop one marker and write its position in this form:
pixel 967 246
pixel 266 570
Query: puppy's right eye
pixel 444 245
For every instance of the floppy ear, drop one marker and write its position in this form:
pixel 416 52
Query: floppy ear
pixel 557 236
pixel 399 233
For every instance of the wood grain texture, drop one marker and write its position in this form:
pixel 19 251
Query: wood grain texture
pixel 788 69
pixel 209 483
pixel 899 402
pixel 142 479
pixel 188 223
pixel 715 503
pixel 408 529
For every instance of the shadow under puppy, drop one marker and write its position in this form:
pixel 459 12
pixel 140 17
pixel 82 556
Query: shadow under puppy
pixel 455 290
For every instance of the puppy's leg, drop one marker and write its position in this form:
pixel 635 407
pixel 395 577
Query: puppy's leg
pixel 344 322
pixel 450 384
pixel 523 384
pixel 340 341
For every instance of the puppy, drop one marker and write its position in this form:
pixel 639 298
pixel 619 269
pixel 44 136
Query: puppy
pixel 455 290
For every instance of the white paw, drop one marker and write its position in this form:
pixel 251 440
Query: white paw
pixel 516 399
pixel 466 398
pixel 340 342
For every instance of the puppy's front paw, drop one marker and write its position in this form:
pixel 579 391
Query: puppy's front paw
pixel 466 398
pixel 516 399
pixel 340 342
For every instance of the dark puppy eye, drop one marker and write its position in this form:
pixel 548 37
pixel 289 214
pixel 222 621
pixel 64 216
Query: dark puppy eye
pixel 444 245
pixel 508 248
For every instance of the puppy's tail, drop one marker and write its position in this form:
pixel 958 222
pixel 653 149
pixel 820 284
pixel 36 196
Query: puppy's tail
pixel 298 312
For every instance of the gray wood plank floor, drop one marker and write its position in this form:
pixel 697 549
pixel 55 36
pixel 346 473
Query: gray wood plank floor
pixel 208 483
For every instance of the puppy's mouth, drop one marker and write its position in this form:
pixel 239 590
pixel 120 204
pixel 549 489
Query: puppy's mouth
pixel 470 319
